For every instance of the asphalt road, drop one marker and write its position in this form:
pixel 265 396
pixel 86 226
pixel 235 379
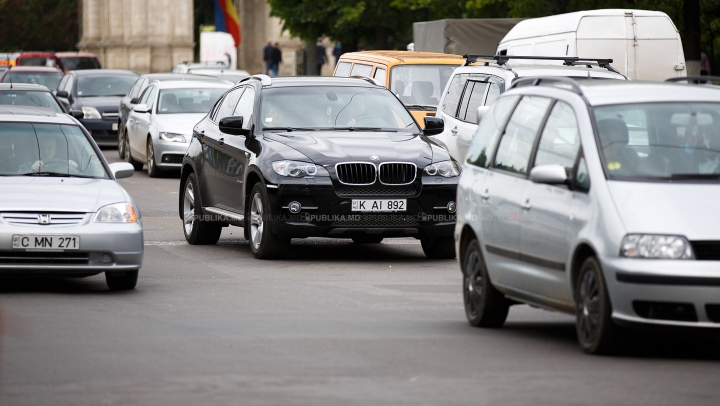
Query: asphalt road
pixel 334 324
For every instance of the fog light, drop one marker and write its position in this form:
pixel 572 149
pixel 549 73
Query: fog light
pixel 294 207
pixel 107 259
pixel 166 158
pixel 451 207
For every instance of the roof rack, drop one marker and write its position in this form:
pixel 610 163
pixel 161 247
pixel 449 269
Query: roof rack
pixel 567 60
pixel 536 80
pixel 695 80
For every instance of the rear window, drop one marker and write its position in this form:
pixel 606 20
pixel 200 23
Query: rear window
pixel 30 98
pixel 78 63
pixel 47 79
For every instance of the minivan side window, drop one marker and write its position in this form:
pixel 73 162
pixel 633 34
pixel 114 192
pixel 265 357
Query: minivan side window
pixel 560 140
pixel 493 93
pixel 380 76
pixel 474 101
pixel 489 130
pixel 343 69
pixel 361 70
pixel 516 144
pixel 452 97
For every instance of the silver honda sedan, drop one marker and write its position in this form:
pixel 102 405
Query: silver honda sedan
pixel 62 212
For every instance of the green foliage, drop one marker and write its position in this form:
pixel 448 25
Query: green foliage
pixel 38 25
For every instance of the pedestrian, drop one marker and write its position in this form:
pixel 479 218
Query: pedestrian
pixel 704 64
pixel 320 56
pixel 337 51
pixel 267 56
pixel 276 59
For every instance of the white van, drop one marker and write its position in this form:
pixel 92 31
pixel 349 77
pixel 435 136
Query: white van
pixel 644 45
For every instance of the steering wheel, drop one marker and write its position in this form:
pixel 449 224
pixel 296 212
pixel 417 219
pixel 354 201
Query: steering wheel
pixel 58 163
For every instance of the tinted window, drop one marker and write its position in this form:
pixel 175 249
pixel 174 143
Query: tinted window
pixel 343 69
pixel 516 144
pixel 361 70
pixel 560 140
pixel 489 129
pixel 77 63
pixel 474 101
pixel 380 76
pixel 98 86
pixel 37 62
pixel 245 107
pixel 30 98
pixel 229 102
pixel 452 97
pixel 174 101
pixel 47 79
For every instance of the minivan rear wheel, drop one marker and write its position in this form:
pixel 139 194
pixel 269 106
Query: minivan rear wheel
pixel 484 305
pixel 121 281
pixel 596 332
pixel 438 247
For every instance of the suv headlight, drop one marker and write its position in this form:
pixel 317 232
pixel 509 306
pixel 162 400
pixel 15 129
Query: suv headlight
pixel 656 246
pixel 116 213
pixel 172 137
pixel 298 169
pixel 446 169
pixel 91 113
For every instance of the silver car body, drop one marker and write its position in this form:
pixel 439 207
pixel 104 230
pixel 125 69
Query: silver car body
pixel 143 128
pixel 70 205
pixel 459 131
pixel 535 236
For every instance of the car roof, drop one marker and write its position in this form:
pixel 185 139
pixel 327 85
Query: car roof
pixel 75 54
pixel 104 72
pixel 317 81
pixel 33 115
pixel 36 54
pixel 212 72
pixel 34 69
pixel 188 84
pixel 404 57
pixel 23 86
pixel 524 70
pixel 161 77
pixel 621 92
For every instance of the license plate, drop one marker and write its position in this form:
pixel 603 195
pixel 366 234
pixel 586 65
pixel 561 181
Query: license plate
pixel 114 126
pixel 373 205
pixel 46 242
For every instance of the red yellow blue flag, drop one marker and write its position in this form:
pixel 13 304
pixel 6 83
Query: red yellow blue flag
pixel 226 19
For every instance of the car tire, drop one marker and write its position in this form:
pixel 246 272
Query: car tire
pixel 153 170
pixel 596 332
pixel 367 239
pixel 128 155
pixel 438 247
pixel 124 281
pixel 196 230
pixel 264 244
pixel 485 306
pixel 121 145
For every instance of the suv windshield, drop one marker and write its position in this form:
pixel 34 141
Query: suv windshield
pixel 30 98
pixel 660 140
pixel 99 86
pixel 420 85
pixel 47 79
pixel 326 107
pixel 47 150
pixel 173 101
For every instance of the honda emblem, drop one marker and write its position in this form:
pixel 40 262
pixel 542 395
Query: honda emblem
pixel 44 218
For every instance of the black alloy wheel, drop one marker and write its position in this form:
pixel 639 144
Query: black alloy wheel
pixel 438 247
pixel 264 244
pixel 596 332
pixel 128 155
pixel 484 305
pixel 121 280
pixel 197 230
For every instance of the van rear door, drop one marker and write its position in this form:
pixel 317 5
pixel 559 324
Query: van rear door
pixel 659 53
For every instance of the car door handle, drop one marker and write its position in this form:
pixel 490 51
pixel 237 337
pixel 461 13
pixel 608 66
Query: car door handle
pixel 485 195
pixel 526 206
pixel 221 141
pixel 454 131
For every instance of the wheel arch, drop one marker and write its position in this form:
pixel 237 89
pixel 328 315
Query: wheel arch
pixel 185 172
pixel 466 236
pixel 582 252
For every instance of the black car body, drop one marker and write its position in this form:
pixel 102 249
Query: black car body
pixel 100 107
pixel 224 174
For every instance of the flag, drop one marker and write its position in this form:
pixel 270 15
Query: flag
pixel 226 19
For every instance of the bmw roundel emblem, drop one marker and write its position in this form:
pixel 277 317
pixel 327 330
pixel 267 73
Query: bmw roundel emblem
pixel 374 157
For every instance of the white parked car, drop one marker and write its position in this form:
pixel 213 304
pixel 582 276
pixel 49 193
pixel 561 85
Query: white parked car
pixel 159 128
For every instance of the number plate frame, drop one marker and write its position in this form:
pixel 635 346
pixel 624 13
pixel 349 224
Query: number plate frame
pixel 378 205
pixel 45 242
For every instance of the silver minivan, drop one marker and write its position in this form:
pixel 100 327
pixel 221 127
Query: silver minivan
pixel 598 199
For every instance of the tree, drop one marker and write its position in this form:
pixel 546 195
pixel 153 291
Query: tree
pixel 38 25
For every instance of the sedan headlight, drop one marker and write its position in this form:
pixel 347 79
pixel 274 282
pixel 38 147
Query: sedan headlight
pixel 172 137
pixel 446 169
pixel 117 213
pixel 91 113
pixel 298 169
pixel 656 246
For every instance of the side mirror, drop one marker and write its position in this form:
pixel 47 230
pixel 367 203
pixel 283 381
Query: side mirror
pixel 141 108
pixel 134 100
pixel 122 170
pixel 433 126
pixel 77 114
pixel 481 111
pixel 553 174
pixel 62 93
pixel 233 126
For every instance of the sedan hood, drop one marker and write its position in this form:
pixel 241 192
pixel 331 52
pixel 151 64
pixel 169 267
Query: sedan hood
pixel 104 102
pixel 177 123
pixel 21 193
pixel 668 208
pixel 329 148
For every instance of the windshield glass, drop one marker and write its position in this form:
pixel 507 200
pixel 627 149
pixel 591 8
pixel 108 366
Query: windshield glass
pixel 37 61
pixel 47 150
pixel 174 101
pixel 98 86
pixel 30 98
pixel 78 63
pixel 47 79
pixel 326 107
pixel 420 84
pixel 660 140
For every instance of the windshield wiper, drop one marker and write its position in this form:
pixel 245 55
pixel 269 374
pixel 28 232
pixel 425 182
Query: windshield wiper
pixel 377 129
pixel 421 107
pixel 54 174
pixel 289 129
pixel 708 176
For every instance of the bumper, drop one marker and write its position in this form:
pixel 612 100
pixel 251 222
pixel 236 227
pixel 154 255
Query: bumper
pixel 327 212
pixel 122 242
pixel 169 155
pixel 664 292
pixel 104 131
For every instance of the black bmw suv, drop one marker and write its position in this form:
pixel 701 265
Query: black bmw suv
pixel 317 157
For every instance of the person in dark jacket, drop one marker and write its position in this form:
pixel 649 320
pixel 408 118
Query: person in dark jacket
pixel 267 56
pixel 337 51
pixel 320 57
pixel 276 59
